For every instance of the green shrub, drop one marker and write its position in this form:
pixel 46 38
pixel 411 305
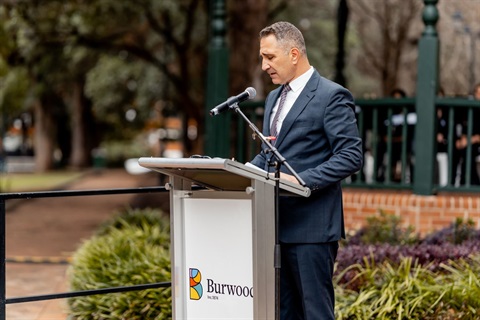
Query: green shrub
pixel 462 284
pixel 123 254
pixel 459 232
pixel 463 230
pixel 388 272
pixel 410 291
pixel 140 218
pixel 385 228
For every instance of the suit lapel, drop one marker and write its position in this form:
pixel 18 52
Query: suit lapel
pixel 300 104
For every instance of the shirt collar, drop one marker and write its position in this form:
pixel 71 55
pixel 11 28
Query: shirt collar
pixel 300 82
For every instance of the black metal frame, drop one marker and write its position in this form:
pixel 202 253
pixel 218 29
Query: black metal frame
pixel 57 194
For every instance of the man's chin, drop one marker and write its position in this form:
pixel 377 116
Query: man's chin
pixel 276 81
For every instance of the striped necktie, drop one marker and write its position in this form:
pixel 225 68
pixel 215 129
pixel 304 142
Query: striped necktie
pixel 283 96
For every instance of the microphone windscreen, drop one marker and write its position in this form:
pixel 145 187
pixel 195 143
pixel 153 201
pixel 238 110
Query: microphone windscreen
pixel 251 92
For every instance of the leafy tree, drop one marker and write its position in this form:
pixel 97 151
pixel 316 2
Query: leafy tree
pixel 131 85
pixel 40 46
pixel 13 89
pixel 168 35
pixel 13 81
pixel 385 30
pixel 246 20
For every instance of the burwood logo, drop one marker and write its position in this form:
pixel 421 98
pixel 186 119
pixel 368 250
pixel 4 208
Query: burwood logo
pixel 229 289
pixel 196 288
pixel 214 288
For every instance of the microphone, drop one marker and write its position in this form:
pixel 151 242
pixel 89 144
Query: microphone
pixel 249 93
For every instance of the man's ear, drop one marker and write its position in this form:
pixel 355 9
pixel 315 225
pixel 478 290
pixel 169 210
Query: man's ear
pixel 294 55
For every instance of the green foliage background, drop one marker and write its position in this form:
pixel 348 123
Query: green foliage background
pixel 410 291
pixel 132 249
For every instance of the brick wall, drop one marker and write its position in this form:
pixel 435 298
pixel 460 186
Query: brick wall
pixel 424 213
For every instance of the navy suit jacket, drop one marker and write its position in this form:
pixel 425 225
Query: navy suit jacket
pixel 319 139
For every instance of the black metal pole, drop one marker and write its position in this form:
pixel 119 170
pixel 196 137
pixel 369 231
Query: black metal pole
pixel 85 293
pixel 277 251
pixel 342 21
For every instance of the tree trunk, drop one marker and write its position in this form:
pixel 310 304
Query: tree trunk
pixel 45 133
pixel 247 19
pixel 384 53
pixel 81 121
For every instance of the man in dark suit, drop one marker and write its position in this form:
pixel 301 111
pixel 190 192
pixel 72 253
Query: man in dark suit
pixel 316 132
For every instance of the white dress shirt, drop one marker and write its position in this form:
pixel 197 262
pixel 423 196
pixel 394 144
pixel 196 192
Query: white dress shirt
pixel 296 87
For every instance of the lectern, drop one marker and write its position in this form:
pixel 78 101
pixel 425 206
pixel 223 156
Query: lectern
pixel 223 237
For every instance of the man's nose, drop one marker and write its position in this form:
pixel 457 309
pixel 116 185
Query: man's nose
pixel 265 66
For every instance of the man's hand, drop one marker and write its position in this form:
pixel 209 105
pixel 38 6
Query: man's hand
pixel 286 176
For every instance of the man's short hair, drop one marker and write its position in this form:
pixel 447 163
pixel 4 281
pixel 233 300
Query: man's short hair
pixel 287 35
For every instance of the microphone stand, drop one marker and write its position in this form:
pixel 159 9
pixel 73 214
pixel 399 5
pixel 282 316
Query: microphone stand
pixel 280 160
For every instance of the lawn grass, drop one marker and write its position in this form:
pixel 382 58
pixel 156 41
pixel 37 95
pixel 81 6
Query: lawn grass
pixel 24 182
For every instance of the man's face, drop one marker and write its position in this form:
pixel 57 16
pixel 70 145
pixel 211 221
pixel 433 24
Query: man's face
pixel 275 61
pixel 477 93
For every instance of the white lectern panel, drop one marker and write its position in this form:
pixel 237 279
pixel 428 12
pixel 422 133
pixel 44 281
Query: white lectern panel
pixel 218 258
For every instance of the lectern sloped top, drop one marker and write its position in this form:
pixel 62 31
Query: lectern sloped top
pixel 217 173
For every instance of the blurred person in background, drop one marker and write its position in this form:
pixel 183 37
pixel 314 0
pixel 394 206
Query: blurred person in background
pixel 442 143
pixel 462 143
